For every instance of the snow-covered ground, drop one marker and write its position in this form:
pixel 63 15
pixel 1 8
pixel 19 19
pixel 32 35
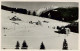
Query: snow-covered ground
pixel 34 34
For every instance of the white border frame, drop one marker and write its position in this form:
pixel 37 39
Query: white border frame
pixel 39 1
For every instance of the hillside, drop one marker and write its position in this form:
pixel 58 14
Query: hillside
pixel 34 34
pixel 69 14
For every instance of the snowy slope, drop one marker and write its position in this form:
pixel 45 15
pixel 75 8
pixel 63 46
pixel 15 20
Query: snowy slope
pixel 34 34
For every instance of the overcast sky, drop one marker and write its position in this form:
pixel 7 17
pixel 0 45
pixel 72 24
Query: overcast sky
pixel 37 5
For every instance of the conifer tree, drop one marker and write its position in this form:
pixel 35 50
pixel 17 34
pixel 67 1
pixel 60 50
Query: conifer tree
pixel 65 45
pixel 24 45
pixel 34 13
pixel 17 45
pixel 42 46
pixel 28 12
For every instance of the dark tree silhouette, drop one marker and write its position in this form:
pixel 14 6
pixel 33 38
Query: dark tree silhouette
pixel 62 14
pixel 28 12
pixel 34 13
pixel 17 45
pixel 21 10
pixel 65 45
pixel 74 27
pixel 24 45
pixel 18 10
pixel 42 46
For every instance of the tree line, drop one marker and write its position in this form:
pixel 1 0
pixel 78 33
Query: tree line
pixel 42 46
pixel 25 46
pixel 18 10
pixel 69 14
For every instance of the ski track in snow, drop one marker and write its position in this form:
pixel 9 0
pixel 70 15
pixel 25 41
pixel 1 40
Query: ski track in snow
pixel 34 34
